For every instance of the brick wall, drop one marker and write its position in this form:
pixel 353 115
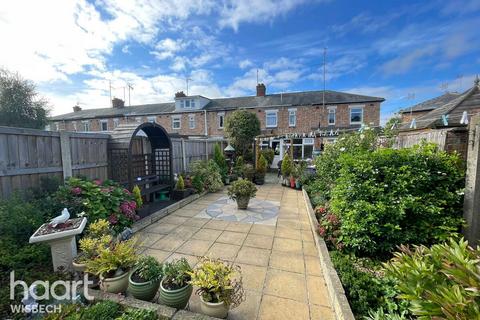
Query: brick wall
pixel 457 141
pixel 407 117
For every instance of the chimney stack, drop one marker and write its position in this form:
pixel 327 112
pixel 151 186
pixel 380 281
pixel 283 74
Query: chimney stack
pixel 77 108
pixel 118 103
pixel 180 94
pixel 261 90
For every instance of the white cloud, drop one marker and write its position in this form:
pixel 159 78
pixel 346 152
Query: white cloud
pixel 404 63
pixel 167 48
pixel 245 64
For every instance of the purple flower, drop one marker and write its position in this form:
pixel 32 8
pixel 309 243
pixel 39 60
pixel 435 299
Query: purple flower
pixel 113 219
pixel 98 182
pixel 76 191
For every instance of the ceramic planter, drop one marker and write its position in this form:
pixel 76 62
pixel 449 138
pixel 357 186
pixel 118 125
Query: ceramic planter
pixel 116 284
pixel 260 179
pixel 145 291
pixel 298 185
pixel 242 202
pixel 216 310
pixel 79 267
pixel 175 298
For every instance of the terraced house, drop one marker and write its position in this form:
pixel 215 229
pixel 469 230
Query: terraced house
pixel 310 118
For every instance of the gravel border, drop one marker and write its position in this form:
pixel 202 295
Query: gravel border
pixel 334 285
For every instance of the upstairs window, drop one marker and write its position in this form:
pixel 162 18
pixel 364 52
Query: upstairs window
pixel 116 122
pixel 221 120
pixel 292 117
pixel 104 125
pixel 356 115
pixel 271 118
pixel 187 104
pixel 86 126
pixel 191 121
pixel 176 123
pixel 332 115
pixel 151 119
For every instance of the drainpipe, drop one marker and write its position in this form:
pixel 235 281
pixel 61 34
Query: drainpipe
pixel 206 129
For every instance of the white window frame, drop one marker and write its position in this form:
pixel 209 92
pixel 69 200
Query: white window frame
pixel 116 122
pixel 102 122
pixel 361 114
pixel 292 112
pixel 86 125
pixel 176 119
pixel 221 124
pixel 185 103
pixel 138 119
pixel 152 119
pixel 270 113
pixel 74 123
pixel 332 110
pixel 191 120
pixel 192 104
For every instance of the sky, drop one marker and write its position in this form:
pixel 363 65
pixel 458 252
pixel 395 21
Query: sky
pixel 404 51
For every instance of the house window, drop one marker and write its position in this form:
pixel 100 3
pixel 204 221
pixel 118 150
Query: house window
pixel 221 120
pixel 191 121
pixel 356 115
pixel 116 122
pixel 104 125
pixel 138 119
pixel 187 104
pixel 292 117
pixel 271 118
pixel 176 123
pixel 192 104
pixel 86 126
pixel 331 115
pixel 151 119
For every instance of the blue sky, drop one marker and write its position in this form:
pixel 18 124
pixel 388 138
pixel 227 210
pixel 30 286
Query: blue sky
pixel 404 51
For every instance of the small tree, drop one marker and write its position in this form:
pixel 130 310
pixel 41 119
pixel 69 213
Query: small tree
pixel 241 128
pixel 180 184
pixel 262 165
pixel 20 105
pixel 219 159
pixel 287 165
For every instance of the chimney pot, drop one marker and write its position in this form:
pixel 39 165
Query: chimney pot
pixel 180 94
pixel 77 108
pixel 118 103
pixel 261 90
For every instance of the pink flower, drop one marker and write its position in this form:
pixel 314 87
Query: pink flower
pixel 98 182
pixel 76 191
pixel 105 190
pixel 113 219
pixel 322 231
pixel 128 209
pixel 127 191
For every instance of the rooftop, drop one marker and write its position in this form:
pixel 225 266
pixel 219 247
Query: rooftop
pixel 433 103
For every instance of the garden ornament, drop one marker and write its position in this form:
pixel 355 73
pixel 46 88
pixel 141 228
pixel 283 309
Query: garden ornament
pixel 61 218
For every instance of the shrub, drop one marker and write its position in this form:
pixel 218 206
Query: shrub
pixel 239 164
pixel 197 183
pixel 262 165
pixel 242 188
pixel 440 282
pixel 241 127
pixel 138 314
pixel 208 172
pixel 176 274
pixel 99 200
pixel 268 154
pixel 102 310
pixel 248 172
pixel 219 159
pixel 148 268
pixel 117 256
pixel 287 165
pixel 389 197
pixel 137 195
pixel 180 184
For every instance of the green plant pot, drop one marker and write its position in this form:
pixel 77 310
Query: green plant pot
pixel 115 285
pixel 175 298
pixel 242 203
pixel 145 291
pixel 216 310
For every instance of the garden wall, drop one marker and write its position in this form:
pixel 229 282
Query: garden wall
pixel 27 155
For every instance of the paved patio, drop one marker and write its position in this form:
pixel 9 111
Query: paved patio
pixel 279 261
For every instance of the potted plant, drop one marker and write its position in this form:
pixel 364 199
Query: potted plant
pixel 299 170
pixel 241 191
pixel 248 172
pixel 261 170
pixel 144 281
pixel 180 192
pixel 287 165
pixel 175 289
pixel 98 236
pixel 219 287
pixel 113 265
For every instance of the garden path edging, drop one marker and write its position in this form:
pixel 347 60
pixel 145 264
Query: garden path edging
pixel 339 301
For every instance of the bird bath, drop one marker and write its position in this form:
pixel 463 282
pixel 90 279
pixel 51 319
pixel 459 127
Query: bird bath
pixel 61 239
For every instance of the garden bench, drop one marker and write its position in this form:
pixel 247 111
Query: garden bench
pixel 154 186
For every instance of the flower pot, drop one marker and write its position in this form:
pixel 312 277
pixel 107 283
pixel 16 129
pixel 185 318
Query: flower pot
pixel 175 298
pixel 292 183
pixel 260 179
pixel 79 267
pixel 180 194
pixel 227 180
pixel 242 202
pixel 216 310
pixel 145 291
pixel 298 185
pixel 116 284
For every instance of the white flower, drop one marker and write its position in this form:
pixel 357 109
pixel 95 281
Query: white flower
pixel 342 149
pixel 81 214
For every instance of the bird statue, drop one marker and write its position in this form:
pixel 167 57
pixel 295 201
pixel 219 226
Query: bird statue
pixel 61 218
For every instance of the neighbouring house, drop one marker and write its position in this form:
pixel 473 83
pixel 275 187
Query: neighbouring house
pixel 310 118
pixel 425 107
pixel 446 124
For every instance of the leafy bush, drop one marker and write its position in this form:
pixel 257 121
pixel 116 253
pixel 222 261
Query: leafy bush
pixel 118 256
pixel 99 200
pixel 138 314
pixel 242 188
pixel 197 183
pixel 441 282
pixel 102 310
pixel 209 173
pixel 388 197
pixel 261 165
pixel 218 281
pixel 248 172
pixel 329 227
pixel 268 154
pixel 137 196
pixel 148 268
pixel 241 128
pixel 287 165
pixel 219 159
pixel 176 274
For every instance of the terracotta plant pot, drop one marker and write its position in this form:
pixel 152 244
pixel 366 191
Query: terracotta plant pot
pixel 175 298
pixel 145 291
pixel 292 183
pixel 116 284
pixel 216 310
pixel 242 202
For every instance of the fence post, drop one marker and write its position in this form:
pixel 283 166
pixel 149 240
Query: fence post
pixel 206 149
pixel 471 208
pixel 66 154
pixel 184 155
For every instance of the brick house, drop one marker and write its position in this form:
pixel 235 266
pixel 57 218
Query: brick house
pixel 302 116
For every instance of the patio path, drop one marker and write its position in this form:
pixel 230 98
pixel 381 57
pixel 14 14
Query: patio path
pixel 281 272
